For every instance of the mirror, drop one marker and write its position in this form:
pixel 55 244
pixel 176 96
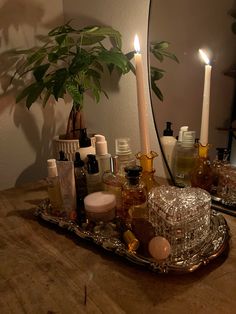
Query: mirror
pixel 188 26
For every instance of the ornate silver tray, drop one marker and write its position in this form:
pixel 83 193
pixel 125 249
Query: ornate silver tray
pixel 215 244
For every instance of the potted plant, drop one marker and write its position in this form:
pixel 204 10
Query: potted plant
pixel 71 62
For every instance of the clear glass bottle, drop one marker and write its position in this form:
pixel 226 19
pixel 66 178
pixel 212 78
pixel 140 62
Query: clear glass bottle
pixel 94 183
pixel 113 182
pixel 81 186
pixel 202 175
pixel 134 195
pixel 220 161
pixel 184 159
pixel 54 188
pixel 124 153
pixel 102 155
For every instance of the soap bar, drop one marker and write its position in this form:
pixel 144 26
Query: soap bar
pixel 100 206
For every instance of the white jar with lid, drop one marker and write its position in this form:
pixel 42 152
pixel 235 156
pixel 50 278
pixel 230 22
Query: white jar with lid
pixel 100 206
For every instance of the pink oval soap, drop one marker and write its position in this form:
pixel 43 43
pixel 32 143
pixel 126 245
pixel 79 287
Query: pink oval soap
pixel 159 248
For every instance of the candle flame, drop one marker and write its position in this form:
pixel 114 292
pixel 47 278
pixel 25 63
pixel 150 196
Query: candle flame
pixel 136 43
pixel 204 56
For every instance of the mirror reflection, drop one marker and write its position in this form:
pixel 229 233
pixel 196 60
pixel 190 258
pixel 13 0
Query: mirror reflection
pixel 188 26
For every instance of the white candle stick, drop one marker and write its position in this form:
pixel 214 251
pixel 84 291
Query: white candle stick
pixel 206 101
pixel 142 105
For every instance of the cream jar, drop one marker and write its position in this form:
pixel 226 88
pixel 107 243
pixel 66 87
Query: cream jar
pixel 100 206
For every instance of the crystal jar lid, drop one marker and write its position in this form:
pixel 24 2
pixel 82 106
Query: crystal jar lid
pixel 176 205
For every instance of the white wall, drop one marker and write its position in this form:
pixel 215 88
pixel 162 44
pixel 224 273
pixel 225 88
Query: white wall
pixel 24 134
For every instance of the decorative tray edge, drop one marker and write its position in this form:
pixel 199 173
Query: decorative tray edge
pixel 215 245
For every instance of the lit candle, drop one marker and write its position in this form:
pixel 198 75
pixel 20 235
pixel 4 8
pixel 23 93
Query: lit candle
pixel 206 101
pixel 142 105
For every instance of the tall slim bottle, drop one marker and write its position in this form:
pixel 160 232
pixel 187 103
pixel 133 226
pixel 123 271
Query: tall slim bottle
pixel 113 181
pixel 185 159
pixel 81 186
pixel 124 153
pixel 54 188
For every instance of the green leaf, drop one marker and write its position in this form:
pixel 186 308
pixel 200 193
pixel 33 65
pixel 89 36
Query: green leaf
pixel 64 29
pixel 116 58
pixel 46 96
pixel 163 45
pixel 156 74
pixel 156 90
pixel 60 77
pixel 34 93
pixel 74 92
pixel 60 39
pixel 40 71
pixel 86 40
pixel 158 55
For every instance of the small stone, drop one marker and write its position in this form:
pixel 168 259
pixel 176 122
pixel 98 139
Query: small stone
pixel 159 248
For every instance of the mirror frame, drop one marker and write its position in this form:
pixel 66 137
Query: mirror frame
pixel 151 99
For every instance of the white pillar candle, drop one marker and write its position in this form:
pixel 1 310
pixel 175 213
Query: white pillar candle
pixel 206 101
pixel 142 105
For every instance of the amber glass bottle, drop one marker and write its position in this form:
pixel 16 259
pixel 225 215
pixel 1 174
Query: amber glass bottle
pixel 134 195
pixel 202 175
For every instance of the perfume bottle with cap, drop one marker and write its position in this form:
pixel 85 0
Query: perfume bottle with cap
pixel 124 153
pixel 102 155
pixel 94 183
pixel 81 186
pixel 113 181
pixel 185 158
pixel 134 195
pixel 54 188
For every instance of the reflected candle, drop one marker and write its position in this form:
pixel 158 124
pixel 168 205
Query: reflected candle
pixel 142 105
pixel 206 101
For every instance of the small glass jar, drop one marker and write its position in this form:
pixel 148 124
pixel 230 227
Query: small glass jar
pixel 100 206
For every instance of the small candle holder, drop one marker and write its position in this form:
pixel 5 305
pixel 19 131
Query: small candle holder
pixel 202 175
pixel 146 162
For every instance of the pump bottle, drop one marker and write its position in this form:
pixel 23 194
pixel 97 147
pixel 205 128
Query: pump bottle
pixel 102 155
pixel 168 142
pixel 85 145
pixel 124 153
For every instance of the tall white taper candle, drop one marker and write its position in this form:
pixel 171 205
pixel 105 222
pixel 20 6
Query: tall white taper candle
pixel 206 101
pixel 142 105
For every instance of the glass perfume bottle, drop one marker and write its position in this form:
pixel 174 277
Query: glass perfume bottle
pixel 94 183
pixel 124 153
pixel 202 175
pixel 146 162
pixel 220 161
pixel 81 186
pixel 184 159
pixel 54 188
pixel 113 181
pixel 134 195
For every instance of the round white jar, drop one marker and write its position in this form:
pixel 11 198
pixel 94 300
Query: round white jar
pixel 100 206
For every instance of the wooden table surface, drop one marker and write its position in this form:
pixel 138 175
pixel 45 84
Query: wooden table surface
pixel 45 270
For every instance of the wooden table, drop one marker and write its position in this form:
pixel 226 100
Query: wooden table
pixel 44 270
